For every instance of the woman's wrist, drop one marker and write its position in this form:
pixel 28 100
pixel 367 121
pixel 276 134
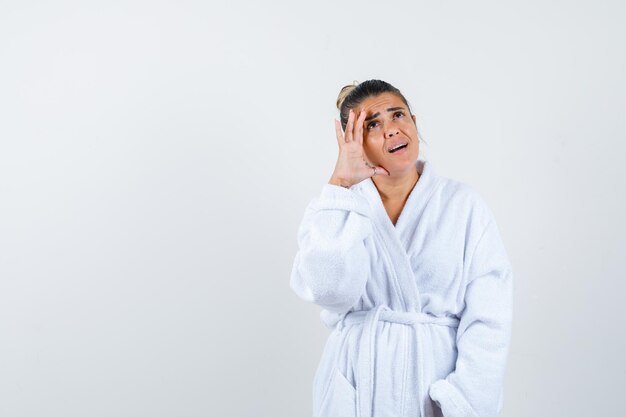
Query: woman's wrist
pixel 338 181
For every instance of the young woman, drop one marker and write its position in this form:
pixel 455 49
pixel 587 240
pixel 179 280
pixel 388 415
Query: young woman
pixel 410 271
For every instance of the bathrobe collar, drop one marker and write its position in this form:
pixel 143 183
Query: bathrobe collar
pixel 397 237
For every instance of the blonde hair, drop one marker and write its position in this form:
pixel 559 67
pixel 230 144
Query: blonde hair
pixel 345 90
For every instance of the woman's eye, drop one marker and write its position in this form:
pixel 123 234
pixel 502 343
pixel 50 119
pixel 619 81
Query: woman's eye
pixel 399 114
pixel 371 125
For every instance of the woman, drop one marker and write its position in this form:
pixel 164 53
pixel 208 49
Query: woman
pixel 410 271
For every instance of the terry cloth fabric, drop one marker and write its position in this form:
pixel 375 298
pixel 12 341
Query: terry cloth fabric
pixel 420 312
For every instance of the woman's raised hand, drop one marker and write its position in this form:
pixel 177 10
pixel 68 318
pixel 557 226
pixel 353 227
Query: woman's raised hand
pixel 352 166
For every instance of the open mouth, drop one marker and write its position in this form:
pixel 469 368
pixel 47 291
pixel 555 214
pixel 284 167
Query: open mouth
pixel 397 147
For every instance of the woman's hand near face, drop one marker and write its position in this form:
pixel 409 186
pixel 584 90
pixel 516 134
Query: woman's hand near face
pixel 352 166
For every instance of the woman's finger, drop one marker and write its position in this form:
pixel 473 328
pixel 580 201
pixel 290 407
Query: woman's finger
pixel 358 129
pixel 349 127
pixel 339 133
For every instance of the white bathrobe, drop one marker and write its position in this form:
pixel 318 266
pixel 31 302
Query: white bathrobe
pixel 420 312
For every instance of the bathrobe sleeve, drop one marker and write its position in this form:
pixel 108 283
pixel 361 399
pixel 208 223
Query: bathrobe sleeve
pixel 331 266
pixel 475 387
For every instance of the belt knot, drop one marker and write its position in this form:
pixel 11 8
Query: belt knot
pixel 367 346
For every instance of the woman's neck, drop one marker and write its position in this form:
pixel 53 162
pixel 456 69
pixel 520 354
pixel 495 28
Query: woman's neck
pixel 394 189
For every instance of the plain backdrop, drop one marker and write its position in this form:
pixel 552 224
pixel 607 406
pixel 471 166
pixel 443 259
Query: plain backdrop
pixel 156 158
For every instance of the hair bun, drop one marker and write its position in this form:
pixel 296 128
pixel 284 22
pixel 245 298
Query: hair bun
pixel 345 91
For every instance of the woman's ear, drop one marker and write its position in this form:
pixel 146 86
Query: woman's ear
pixel 414 118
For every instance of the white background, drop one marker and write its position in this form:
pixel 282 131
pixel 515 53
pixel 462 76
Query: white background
pixel 156 158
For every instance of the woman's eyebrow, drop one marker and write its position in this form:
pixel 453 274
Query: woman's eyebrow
pixel 368 118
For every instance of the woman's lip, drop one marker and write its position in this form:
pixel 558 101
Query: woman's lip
pixel 399 151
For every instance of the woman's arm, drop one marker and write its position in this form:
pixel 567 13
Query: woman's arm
pixel 332 265
pixel 475 388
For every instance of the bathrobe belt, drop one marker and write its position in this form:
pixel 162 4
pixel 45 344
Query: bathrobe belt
pixel 367 346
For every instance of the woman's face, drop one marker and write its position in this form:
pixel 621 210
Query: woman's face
pixel 387 124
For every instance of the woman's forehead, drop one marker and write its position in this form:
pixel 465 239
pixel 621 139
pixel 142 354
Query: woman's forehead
pixel 380 103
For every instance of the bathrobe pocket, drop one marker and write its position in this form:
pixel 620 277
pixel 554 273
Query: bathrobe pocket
pixel 340 397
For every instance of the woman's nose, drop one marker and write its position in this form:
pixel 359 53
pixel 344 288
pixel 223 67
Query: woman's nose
pixel 391 131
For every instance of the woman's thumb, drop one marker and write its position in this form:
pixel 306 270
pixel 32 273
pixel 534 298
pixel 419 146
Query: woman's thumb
pixel 381 171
